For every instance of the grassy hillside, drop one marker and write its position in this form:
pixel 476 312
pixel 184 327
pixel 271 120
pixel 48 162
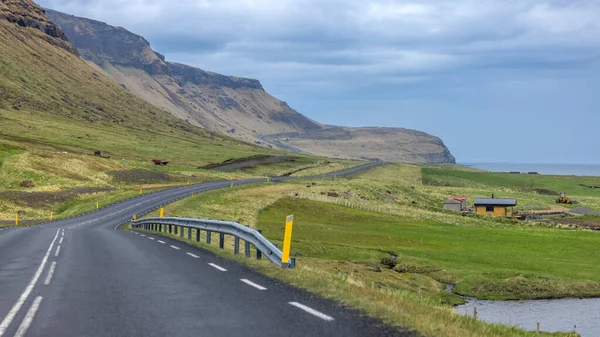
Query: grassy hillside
pixel 56 111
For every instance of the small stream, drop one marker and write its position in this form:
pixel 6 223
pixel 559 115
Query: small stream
pixel 563 315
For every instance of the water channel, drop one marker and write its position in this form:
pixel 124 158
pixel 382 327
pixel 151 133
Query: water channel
pixel 563 315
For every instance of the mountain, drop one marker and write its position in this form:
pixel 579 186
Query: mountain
pixel 238 107
pixel 50 97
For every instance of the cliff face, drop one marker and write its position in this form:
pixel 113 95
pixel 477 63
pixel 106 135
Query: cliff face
pixel 25 13
pixel 239 107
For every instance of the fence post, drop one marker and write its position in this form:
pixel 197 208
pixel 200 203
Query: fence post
pixel 208 237
pixel 258 252
pixel 221 240
pixel 247 248
pixel 236 246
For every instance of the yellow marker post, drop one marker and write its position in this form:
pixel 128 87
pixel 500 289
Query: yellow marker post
pixel 287 240
pixel 141 190
pixel 97 206
pixel 134 217
pixel 51 216
pixel 161 212
pixel 17 220
pixel 188 182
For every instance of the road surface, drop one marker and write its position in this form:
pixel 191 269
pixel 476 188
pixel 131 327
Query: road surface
pixel 84 277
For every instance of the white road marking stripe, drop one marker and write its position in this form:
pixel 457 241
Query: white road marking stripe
pixel 57 251
pixel 29 317
pixel 61 239
pixel 217 267
pixel 142 234
pixel 17 306
pixel 151 238
pixel 193 255
pixel 161 242
pixel 252 284
pixel 50 273
pixel 312 311
pixel 174 247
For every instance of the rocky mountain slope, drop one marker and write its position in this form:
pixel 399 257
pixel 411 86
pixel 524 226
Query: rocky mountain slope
pixel 235 106
pixel 50 97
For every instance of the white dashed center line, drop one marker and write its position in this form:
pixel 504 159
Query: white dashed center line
pixel 57 251
pixel 151 238
pixel 312 311
pixel 29 317
pixel 50 273
pixel 217 267
pixel 142 234
pixel 175 247
pixel 161 242
pixel 61 239
pixel 252 284
pixel 193 255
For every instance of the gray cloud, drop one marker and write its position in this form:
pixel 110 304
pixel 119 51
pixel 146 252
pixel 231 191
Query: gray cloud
pixel 385 57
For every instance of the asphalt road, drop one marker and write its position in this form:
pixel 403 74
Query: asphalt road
pixel 83 277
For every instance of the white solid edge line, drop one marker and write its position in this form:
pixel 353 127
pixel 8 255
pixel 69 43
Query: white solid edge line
pixel 57 251
pixel 50 273
pixel 175 247
pixel 17 306
pixel 312 311
pixel 252 284
pixel 29 317
pixel 217 267
pixel 161 242
pixel 193 255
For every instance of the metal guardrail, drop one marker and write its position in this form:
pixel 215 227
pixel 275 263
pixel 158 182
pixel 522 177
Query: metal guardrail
pixel 238 231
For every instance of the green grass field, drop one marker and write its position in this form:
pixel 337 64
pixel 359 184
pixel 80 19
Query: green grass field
pixel 484 262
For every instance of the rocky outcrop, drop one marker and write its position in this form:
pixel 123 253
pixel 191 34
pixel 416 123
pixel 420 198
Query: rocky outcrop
pixel 238 107
pixel 27 13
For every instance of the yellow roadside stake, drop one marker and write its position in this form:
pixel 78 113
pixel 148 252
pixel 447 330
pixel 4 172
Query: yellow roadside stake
pixel 17 220
pixel 287 241
pixel 51 214
pixel 161 212
pixel 141 190
pixel 97 205
pixel 134 217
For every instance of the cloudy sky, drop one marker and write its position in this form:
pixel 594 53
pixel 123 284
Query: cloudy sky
pixel 497 80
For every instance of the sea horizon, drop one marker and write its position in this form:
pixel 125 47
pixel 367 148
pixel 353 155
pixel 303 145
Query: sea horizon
pixel 592 170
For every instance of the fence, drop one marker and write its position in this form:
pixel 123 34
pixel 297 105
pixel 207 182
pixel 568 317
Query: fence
pixel 250 236
pixel 360 205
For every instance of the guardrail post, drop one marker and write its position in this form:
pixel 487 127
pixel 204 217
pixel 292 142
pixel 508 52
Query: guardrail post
pixel 247 248
pixel 189 233
pixel 236 246
pixel 170 228
pixel 197 235
pixel 160 227
pixel 208 237
pixel 181 229
pixel 258 252
pixel 175 229
pixel 221 240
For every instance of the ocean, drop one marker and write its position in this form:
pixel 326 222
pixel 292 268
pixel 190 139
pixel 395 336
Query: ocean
pixel 552 169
